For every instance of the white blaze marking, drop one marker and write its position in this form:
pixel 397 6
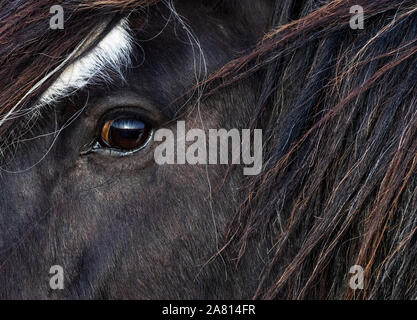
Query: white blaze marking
pixel 111 53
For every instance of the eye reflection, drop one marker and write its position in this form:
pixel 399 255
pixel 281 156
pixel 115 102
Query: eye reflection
pixel 125 134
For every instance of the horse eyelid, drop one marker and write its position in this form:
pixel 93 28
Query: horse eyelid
pixel 96 147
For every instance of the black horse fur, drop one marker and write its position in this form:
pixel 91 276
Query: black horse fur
pixel 338 110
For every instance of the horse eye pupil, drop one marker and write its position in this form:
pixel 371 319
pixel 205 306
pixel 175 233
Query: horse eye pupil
pixel 125 134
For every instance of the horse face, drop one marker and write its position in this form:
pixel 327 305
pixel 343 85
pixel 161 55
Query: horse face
pixel 120 225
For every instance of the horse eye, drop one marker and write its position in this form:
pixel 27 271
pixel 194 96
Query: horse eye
pixel 125 134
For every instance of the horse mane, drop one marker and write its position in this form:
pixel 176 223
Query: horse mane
pixel 339 114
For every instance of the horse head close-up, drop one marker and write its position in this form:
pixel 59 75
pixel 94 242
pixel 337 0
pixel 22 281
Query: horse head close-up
pixel 208 149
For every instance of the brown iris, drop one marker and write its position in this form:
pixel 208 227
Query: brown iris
pixel 125 134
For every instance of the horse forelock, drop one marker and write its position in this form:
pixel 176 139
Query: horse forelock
pixel 41 65
pixel 112 53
